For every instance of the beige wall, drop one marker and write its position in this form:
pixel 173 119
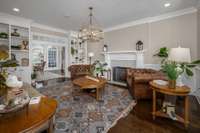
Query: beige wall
pixel 181 30
pixel 173 32
pixel 198 21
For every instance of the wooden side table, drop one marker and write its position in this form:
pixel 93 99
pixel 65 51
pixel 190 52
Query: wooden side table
pixel 178 91
pixel 34 118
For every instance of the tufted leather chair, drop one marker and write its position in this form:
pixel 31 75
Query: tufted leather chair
pixel 80 70
pixel 138 82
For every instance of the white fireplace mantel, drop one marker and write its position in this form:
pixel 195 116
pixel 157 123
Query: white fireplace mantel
pixel 137 56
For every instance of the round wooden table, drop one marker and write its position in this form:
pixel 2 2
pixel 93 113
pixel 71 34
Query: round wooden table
pixel 178 91
pixel 32 118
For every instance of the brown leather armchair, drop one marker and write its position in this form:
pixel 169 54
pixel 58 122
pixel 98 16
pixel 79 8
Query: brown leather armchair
pixel 80 70
pixel 138 82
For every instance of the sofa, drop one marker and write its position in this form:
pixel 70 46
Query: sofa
pixel 80 70
pixel 138 82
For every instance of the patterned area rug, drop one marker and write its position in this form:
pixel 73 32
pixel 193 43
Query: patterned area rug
pixel 80 113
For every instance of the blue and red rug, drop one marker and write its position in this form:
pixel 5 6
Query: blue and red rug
pixel 80 113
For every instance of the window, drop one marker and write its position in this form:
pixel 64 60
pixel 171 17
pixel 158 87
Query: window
pixel 52 57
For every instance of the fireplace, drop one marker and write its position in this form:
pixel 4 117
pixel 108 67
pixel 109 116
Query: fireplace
pixel 119 74
pixel 118 61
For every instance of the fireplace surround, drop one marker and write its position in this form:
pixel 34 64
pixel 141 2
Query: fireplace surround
pixel 118 61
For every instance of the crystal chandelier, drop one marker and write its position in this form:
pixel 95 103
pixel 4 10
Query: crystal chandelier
pixel 91 32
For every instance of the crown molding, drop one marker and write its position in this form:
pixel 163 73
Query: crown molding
pixel 153 19
pixel 14 20
pixel 45 27
pixel 198 5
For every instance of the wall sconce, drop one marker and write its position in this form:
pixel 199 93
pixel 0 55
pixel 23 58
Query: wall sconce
pixel 139 46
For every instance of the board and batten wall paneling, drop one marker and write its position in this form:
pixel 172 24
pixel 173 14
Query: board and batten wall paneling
pixel 172 32
pixel 97 49
pixel 198 21
pixel 126 39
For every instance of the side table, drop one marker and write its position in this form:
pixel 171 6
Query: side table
pixel 178 91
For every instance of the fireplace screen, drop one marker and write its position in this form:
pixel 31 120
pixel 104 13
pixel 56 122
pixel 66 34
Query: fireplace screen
pixel 119 74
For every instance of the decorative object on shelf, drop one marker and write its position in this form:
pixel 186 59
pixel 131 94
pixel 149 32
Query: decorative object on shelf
pixel 91 32
pixel 105 48
pixel 15 33
pixel 3 35
pixel 73 51
pixel 90 55
pixel 17 47
pixel 24 61
pixel 76 58
pixel 4 52
pixel 13 56
pixel 139 46
pixel 33 78
pixel 24 45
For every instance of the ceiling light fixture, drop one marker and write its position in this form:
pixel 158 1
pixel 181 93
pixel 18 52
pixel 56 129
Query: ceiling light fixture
pixel 16 9
pixel 91 32
pixel 167 4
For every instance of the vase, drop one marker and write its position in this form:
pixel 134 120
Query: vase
pixel 172 84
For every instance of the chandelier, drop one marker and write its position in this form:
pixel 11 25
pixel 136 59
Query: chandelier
pixel 91 32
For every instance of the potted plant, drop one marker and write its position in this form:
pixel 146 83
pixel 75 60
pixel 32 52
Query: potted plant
pixel 99 68
pixel 170 69
pixel 174 69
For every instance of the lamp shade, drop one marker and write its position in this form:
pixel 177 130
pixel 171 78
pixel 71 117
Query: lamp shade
pixel 91 54
pixel 179 54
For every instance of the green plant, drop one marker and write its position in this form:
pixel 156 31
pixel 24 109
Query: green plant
pixel 33 75
pixel 163 54
pixel 170 69
pixel 4 35
pixel 187 67
pixel 180 67
pixel 99 67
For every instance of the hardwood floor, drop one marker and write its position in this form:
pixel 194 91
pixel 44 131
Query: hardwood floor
pixel 140 120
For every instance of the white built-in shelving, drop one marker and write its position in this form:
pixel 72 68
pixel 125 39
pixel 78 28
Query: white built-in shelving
pixel 78 50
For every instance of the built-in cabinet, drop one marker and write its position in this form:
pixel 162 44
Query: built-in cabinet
pixel 77 50
pixel 14 44
pixel 4 42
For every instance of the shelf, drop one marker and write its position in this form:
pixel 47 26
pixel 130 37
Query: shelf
pixel 164 115
pixel 2 39
pixel 19 38
pixel 14 50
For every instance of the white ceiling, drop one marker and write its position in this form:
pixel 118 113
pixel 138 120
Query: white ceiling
pixel 108 12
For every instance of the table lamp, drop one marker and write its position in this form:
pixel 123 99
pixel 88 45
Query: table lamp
pixel 90 55
pixel 180 55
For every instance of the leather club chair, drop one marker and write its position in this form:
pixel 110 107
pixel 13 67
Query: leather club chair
pixel 138 82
